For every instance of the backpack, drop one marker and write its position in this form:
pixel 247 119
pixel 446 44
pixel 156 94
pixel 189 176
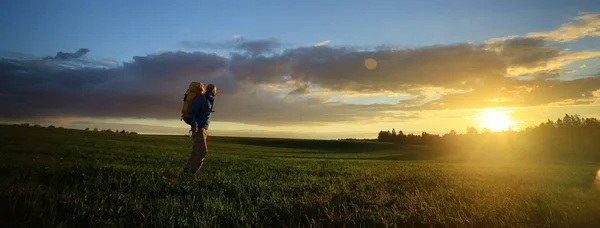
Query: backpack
pixel 192 92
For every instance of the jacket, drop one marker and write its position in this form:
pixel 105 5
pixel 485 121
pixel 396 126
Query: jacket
pixel 199 112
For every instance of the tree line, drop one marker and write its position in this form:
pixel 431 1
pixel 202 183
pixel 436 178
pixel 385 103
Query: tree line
pixel 86 129
pixel 570 136
pixel 568 126
pixel 114 131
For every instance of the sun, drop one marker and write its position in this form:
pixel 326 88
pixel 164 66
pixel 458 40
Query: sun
pixel 495 120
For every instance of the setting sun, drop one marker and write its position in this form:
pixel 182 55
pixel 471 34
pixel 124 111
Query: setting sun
pixel 495 120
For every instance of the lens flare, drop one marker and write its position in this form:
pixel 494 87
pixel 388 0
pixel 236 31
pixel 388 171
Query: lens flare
pixel 370 63
pixel 597 180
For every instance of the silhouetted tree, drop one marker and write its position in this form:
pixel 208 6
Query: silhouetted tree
pixel 384 136
pixel 472 131
pixel 400 138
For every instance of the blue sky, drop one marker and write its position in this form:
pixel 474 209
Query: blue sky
pixel 121 29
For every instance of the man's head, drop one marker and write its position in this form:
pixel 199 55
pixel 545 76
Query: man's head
pixel 212 89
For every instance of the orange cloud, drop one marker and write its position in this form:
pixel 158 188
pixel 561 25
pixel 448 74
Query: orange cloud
pixel 585 24
pixel 596 93
pixel 555 63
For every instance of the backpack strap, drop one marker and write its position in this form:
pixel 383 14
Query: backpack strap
pixel 203 103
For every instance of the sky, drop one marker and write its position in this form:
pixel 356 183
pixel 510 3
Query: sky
pixel 302 69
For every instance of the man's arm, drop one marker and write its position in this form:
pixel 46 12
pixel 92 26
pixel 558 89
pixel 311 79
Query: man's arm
pixel 194 109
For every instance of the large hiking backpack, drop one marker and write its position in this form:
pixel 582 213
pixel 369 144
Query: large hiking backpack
pixel 194 90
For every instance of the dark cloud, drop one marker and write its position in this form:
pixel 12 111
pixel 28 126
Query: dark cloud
pixel 459 66
pixel 68 55
pixel 300 90
pixel 537 92
pixel 251 47
pixel 528 52
pixel 258 69
pixel 344 69
pixel 149 87
pixel 257 47
pixel 533 56
pixel 152 86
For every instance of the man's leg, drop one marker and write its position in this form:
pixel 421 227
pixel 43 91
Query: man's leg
pixel 199 151
pixel 201 148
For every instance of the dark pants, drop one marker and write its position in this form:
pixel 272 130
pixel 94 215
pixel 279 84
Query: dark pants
pixel 199 151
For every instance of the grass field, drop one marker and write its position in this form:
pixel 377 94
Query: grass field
pixel 72 178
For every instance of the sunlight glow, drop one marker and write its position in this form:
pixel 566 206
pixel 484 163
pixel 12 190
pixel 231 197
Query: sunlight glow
pixel 495 120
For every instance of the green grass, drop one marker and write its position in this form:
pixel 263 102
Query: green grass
pixel 71 178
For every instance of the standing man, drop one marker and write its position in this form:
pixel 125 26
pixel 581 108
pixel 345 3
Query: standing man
pixel 199 116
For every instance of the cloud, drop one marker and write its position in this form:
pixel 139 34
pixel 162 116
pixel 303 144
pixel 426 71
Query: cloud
pixel 529 56
pixel 67 55
pixel 252 47
pixel 149 86
pixel 322 43
pixel 266 83
pixel 300 90
pixel 343 69
pixel 555 63
pixel 536 52
pixel 585 24
pixel 527 52
pixel 437 77
pixel 519 93
pixel 596 93
pixel 551 74
pixel 152 87
pixel 256 47
pixel 262 108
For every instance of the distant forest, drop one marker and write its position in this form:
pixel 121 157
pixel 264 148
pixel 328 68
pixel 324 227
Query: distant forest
pixel 87 129
pixel 569 137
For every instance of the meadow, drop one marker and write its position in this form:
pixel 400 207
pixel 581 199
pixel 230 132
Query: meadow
pixel 75 178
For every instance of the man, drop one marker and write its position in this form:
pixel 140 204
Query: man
pixel 199 115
